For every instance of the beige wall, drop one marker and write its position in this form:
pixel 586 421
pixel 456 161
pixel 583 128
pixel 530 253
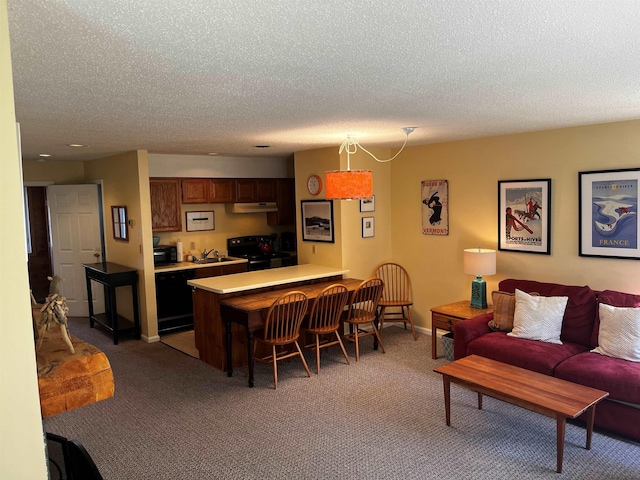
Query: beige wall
pixel 56 171
pixel 22 447
pixel 473 169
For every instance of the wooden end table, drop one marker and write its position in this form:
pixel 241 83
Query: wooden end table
pixel 446 316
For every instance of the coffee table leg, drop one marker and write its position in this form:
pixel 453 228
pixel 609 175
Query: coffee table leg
pixel 561 425
pixel 591 415
pixel 479 401
pixel 447 398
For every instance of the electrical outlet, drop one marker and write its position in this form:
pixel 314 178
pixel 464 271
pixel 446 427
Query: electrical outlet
pixel 192 245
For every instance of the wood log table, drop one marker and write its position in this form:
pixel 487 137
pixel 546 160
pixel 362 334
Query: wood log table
pixel 67 381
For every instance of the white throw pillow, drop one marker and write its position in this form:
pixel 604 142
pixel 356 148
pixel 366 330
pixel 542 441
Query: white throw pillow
pixel 619 334
pixel 538 318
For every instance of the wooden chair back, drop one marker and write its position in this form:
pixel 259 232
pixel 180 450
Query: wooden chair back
pixel 283 319
pixel 397 285
pixel 326 309
pixel 364 301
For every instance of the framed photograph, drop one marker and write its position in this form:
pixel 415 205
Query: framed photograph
pixel 435 207
pixel 368 204
pixel 608 203
pixel 368 227
pixel 524 216
pixel 317 221
pixel 199 221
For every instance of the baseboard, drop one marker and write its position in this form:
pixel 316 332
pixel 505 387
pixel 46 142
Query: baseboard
pixel 154 339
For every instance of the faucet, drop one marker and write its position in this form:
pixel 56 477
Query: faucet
pixel 205 254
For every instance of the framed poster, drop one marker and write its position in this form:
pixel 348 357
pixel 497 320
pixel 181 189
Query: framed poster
pixel 435 207
pixel 608 203
pixel 524 216
pixel 368 204
pixel 317 220
pixel 200 221
pixel 368 227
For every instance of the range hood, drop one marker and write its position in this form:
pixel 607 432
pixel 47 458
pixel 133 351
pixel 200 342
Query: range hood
pixel 259 207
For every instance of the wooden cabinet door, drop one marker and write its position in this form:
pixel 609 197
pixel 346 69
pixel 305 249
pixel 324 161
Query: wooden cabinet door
pixel 246 190
pixel 222 190
pixel 234 268
pixel 165 204
pixel 286 200
pixel 266 189
pixel 195 190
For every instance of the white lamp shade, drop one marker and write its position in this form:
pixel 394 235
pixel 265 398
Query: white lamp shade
pixel 479 261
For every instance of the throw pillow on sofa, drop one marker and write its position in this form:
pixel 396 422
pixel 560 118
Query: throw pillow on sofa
pixel 538 318
pixel 619 334
pixel 504 306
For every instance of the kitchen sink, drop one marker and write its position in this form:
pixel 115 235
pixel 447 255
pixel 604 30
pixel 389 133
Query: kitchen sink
pixel 214 260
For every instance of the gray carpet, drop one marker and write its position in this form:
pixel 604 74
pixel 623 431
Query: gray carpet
pixel 174 417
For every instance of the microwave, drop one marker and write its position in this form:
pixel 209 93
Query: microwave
pixel 165 254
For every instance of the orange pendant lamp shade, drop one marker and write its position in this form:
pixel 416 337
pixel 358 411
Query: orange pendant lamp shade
pixel 349 184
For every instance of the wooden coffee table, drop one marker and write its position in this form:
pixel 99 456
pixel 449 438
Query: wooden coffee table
pixel 534 391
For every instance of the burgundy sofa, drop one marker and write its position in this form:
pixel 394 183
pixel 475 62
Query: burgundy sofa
pixel 572 361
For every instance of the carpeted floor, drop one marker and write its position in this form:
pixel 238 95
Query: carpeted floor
pixel 174 417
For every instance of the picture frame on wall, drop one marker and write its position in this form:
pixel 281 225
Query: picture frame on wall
pixel 368 204
pixel 368 227
pixel 608 213
pixel 317 220
pixel 435 207
pixel 200 221
pixel 524 216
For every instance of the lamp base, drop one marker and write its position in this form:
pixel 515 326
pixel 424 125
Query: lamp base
pixel 478 293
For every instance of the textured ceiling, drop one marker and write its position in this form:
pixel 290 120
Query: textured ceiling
pixel 199 76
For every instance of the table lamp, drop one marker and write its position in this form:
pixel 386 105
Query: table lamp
pixel 478 262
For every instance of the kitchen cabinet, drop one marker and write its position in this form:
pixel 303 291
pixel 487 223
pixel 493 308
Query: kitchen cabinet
pixel 206 272
pixel 286 200
pixel 208 190
pixel 250 190
pixel 165 204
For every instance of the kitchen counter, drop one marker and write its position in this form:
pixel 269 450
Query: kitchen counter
pixel 241 282
pixel 174 267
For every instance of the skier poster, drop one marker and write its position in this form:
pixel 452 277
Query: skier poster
pixel 524 216
pixel 609 213
pixel 435 207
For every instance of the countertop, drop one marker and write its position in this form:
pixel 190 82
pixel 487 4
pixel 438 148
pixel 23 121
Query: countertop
pixel 190 265
pixel 239 282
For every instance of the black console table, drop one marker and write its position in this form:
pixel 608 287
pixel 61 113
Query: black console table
pixel 112 275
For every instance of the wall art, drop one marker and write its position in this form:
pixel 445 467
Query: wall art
pixel 317 220
pixel 435 207
pixel 368 227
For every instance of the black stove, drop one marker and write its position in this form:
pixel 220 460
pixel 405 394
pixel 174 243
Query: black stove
pixel 258 250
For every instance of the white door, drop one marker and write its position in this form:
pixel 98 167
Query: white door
pixel 76 238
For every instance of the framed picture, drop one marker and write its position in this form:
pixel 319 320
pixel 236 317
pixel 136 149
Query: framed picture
pixel 120 223
pixel 368 227
pixel 608 203
pixel 368 204
pixel 199 221
pixel 524 216
pixel 435 207
pixel 317 220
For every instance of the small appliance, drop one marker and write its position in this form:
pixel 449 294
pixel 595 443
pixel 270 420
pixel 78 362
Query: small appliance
pixel 165 255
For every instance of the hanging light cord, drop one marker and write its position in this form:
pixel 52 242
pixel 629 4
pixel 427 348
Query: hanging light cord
pixel 350 145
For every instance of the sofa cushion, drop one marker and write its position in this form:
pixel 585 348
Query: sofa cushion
pixel 540 357
pixel 504 306
pixel 620 378
pixel 579 316
pixel 619 334
pixel 538 318
pixel 616 299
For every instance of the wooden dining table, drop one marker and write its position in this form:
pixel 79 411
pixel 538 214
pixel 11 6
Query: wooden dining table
pixel 249 310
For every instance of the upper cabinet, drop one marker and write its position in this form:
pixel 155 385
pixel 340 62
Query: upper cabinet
pixel 165 204
pixel 206 190
pixel 286 199
pixel 249 190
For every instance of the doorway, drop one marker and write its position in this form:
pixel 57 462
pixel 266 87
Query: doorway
pixel 39 253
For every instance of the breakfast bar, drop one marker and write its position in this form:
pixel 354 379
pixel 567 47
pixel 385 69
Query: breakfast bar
pixel 208 293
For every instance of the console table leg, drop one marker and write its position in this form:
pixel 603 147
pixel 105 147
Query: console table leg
pixel 561 425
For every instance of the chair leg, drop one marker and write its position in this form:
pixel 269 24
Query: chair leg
pixel 381 317
pixel 344 351
pixel 413 330
pixel 377 334
pixel 317 353
pixel 356 336
pixel 304 362
pixel 275 367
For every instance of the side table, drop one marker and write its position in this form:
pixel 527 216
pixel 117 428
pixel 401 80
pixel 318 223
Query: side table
pixel 112 275
pixel 444 317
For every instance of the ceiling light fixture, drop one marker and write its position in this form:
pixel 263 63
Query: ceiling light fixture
pixel 45 155
pixel 354 184
pixel 76 145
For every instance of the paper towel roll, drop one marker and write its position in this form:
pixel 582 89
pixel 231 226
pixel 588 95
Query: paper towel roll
pixel 179 250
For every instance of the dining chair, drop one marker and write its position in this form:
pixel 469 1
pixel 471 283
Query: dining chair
pixel 362 310
pixel 395 302
pixel 324 320
pixel 282 328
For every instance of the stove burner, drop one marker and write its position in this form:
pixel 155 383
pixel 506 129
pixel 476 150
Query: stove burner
pixel 249 247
